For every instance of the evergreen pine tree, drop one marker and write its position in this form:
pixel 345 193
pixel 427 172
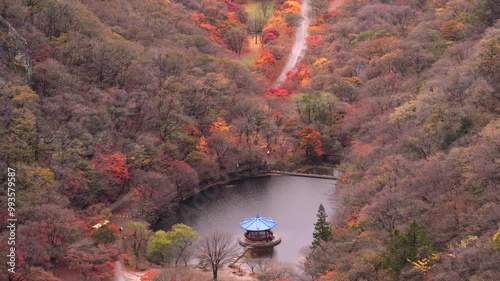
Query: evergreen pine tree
pixel 414 245
pixel 322 230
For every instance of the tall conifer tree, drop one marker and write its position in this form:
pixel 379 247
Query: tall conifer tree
pixel 322 230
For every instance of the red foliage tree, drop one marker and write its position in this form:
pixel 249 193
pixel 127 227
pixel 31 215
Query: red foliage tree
pixel 232 6
pixel 268 37
pixel 198 18
pixel 151 195
pixel 150 274
pixel 279 92
pixel 313 41
pixel 310 140
pixel 332 16
pixel 269 34
pixel 44 237
pixel 94 263
pixel 112 165
pixel 215 33
pixel 294 79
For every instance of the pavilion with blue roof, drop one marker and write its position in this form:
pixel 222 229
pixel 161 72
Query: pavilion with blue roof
pixel 258 232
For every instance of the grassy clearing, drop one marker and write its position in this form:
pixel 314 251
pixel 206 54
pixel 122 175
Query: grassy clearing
pixel 252 53
pixel 253 7
pixel 249 59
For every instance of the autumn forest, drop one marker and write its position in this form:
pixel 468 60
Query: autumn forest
pixel 136 105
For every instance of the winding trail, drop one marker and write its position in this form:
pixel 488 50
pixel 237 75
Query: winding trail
pixel 119 273
pixel 299 46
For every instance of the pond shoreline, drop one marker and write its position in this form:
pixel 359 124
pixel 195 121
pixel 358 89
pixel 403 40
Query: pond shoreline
pixel 199 193
pixel 276 173
pixel 118 205
pixel 267 173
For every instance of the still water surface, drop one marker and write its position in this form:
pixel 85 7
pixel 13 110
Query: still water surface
pixel 291 201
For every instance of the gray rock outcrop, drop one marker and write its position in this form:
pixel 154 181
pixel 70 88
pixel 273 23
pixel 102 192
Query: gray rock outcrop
pixel 14 52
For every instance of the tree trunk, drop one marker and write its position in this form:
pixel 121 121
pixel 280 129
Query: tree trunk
pixel 214 271
pixel 179 256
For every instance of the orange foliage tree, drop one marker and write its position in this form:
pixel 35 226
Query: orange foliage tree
pixel 377 47
pixel 221 143
pixel 112 164
pixel 297 78
pixel 310 140
pixel 267 63
pixel 450 30
pixel 150 274
pixel 220 127
pixel 291 6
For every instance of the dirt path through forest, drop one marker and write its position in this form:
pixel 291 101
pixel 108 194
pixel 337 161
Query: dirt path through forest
pixel 119 274
pixel 299 46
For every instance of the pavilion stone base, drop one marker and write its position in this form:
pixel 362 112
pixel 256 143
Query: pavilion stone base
pixel 259 244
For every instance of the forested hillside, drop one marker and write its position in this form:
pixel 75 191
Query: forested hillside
pixel 143 101
pixel 419 193
pixel 158 98
pixel 122 95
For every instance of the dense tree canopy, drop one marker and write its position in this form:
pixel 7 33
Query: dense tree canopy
pixel 149 100
pixel 413 89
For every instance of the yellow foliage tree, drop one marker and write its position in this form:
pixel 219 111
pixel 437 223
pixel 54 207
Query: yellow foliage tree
pixel 201 147
pixel 276 21
pixel 220 126
pixel 496 239
pixel 46 174
pixel 406 111
pixel 291 6
pixel 319 63
pixel 20 141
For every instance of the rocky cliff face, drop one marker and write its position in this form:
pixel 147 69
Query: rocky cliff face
pixel 14 52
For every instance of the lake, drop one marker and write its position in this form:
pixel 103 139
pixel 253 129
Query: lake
pixel 290 200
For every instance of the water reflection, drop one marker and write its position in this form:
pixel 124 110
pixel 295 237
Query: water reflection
pixel 260 253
